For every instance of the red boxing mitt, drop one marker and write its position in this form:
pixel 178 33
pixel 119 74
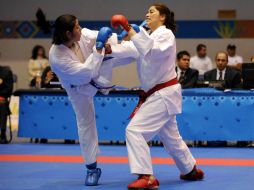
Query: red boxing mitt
pixel 120 20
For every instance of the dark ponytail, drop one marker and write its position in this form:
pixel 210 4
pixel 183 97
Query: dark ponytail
pixel 63 24
pixel 169 16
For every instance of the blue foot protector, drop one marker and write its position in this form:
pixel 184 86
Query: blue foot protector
pixel 92 177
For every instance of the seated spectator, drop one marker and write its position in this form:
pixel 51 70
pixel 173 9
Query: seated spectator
pixel 186 76
pixel 231 77
pixel 47 77
pixel 201 61
pixel 6 87
pixel 234 61
pixel 36 65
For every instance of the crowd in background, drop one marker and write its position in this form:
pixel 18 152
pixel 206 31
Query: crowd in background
pixel 195 71
pixel 190 69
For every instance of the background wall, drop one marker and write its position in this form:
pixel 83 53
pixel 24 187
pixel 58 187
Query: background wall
pixel 16 52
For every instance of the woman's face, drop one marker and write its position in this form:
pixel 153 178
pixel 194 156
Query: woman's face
pixel 40 52
pixel 76 33
pixel 154 19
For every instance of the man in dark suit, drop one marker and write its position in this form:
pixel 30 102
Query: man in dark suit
pixel 230 77
pixel 186 76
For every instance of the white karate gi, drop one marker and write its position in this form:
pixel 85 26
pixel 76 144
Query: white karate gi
pixel 75 77
pixel 155 65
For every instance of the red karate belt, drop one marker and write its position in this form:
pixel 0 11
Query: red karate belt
pixel 144 95
pixel 2 99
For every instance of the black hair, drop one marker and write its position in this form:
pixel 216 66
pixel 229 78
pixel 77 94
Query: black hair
pixel 180 54
pixel 63 24
pixel 200 46
pixel 169 16
pixel 231 46
pixel 35 52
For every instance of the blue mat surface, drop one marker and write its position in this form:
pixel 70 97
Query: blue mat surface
pixel 65 176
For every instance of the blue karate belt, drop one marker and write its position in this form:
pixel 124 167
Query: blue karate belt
pixel 107 58
pixel 94 84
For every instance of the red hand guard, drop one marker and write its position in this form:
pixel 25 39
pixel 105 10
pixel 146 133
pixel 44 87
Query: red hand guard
pixel 117 20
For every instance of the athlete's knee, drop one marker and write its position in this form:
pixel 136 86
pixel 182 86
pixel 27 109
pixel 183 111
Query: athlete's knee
pixel 130 131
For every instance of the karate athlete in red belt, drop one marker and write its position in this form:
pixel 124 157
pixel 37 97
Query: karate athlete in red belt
pixel 162 98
